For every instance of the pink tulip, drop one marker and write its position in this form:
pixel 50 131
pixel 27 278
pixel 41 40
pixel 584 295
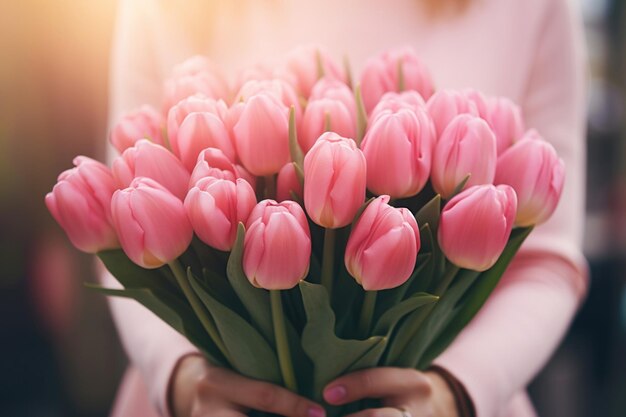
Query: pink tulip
pixel 199 131
pixel 277 246
pixel 475 225
pixel 536 173
pixel 381 75
pixel 383 246
pixel 398 148
pixel 151 223
pixel 142 123
pixel 287 183
pixel 505 119
pixel 280 89
pixel 213 163
pixel 261 135
pixel 193 104
pixel 445 105
pixel 334 181
pixel 81 203
pixel 332 88
pixel 466 146
pixel 254 73
pixel 479 100
pixel 216 206
pixel 301 68
pixel 321 112
pixel 147 159
pixel 197 75
pixel 393 102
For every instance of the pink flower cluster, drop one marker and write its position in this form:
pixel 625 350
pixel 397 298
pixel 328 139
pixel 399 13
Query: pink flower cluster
pixel 201 165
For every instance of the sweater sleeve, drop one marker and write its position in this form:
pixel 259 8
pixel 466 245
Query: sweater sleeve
pixel 524 320
pixel 137 73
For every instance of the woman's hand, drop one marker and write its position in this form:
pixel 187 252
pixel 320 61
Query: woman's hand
pixel 199 390
pixel 404 392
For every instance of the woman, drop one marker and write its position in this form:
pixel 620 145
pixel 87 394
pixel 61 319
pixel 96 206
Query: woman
pixel 529 51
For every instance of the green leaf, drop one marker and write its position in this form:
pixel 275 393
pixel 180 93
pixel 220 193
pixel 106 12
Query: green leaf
pixel 131 275
pixel 460 186
pixel 173 311
pixel 347 68
pixel 437 318
pixel 391 317
pixel 475 298
pixel 361 116
pixel 331 355
pixel 400 75
pixel 297 156
pixel 250 353
pixel 255 300
pixel 320 65
pixel 429 213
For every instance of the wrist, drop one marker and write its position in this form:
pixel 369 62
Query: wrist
pixel 452 399
pixel 189 369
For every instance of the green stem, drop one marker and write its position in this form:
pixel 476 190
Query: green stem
pixel 198 308
pixel 367 313
pixel 270 186
pixel 328 261
pixel 282 343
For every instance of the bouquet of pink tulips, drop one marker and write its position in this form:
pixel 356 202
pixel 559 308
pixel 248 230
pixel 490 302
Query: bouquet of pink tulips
pixel 296 229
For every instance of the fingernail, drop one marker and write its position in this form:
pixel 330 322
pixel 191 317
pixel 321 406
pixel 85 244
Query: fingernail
pixel 315 412
pixel 335 394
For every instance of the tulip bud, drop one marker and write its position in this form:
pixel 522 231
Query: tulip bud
pixel 398 149
pixel 193 104
pixel 332 88
pixel 277 246
pixel 505 119
pixel 536 173
pixel 475 225
pixel 479 100
pixel 253 73
pixel 147 159
pixel 197 75
pixel 261 135
pixel 216 206
pixel 382 74
pixel 287 183
pixel 142 123
pixel 334 181
pixel 199 131
pixel 302 68
pixel 383 245
pixel 445 105
pixel 81 203
pixel 280 89
pixel 213 163
pixel 151 223
pixel 325 111
pixel 393 102
pixel 467 146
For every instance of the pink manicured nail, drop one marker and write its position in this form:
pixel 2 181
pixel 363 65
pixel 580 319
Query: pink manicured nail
pixel 335 394
pixel 315 412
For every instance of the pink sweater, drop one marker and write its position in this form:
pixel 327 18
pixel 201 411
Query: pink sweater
pixel 530 51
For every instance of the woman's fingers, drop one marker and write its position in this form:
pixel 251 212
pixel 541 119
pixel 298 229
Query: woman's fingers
pixel 260 396
pixel 376 383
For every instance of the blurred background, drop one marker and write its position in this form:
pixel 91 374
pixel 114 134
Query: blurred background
pixel 59 354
